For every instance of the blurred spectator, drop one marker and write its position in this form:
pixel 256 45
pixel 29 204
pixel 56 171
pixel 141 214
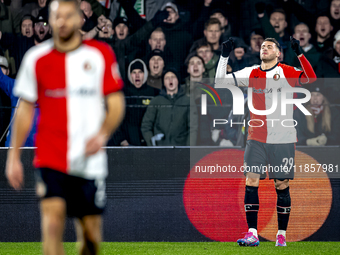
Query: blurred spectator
pixel 195 70
pixel 19 45
pixel 178 40
pixel 322 127
pixel 6 19
pixel 167 121
pixel 225 25
pixel 121 28
pixel 138 96
pixel 27 26
pixel 239 58
pixel 91 18
pixel 335 15
pixel 205 51
pixel 212 34
pixel 156 66
pixel 256 39
pixel 198 25
pixel 301 33
pixel 5 103
pixel 157 39
pixel 275 26
pixel 7 85
pixel 34 8
pixel 323 31
pixel 329 67
pixel 106 30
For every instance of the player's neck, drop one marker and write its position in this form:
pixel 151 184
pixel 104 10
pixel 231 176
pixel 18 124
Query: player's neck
pixel 268 65
pixel 71 44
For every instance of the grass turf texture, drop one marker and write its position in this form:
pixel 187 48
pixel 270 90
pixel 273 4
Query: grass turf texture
pixel 211 248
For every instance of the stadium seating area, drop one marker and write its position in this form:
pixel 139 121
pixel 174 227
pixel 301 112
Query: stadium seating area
pixel 162 45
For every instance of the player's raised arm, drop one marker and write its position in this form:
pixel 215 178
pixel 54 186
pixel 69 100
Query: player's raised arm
pixel 308 75
pixel 239 78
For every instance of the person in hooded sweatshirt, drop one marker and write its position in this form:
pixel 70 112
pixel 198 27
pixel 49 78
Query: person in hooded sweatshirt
pixel 138 96
pixel 168 119
pixel 156 64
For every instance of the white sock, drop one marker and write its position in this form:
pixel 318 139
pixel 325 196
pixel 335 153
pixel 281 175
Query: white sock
pixel 281 232
pixel 253 230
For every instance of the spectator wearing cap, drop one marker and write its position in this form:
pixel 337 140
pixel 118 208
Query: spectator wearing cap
pixel 156 66
pixel 178 39
pixel 301 33
pixel 196 70
pixel 121 28
pixel 205 51
pixel 167 119
pixel 275 25
pixel 322 126
pixel 26 26
pixel 138 96
pixel 41 29
pixel 7 85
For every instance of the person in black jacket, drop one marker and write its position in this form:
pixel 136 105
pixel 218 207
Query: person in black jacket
pixel 322 127
pixel 138 96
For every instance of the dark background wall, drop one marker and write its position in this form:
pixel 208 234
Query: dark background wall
pixel 145 197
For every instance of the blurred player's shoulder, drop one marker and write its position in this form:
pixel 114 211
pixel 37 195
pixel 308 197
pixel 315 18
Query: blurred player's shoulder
pixel 38 51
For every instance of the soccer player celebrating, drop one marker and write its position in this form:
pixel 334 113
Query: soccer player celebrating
pixel 69 78
pixel 268 144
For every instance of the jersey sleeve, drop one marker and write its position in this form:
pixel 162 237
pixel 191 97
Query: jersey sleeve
pixel 26 82
pixel 112 80
pixel 239 78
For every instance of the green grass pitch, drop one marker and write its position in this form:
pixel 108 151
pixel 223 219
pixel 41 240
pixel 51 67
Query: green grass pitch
pixel 201 248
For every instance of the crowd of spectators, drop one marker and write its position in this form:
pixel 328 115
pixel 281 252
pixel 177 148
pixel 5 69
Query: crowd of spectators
pixel 166 53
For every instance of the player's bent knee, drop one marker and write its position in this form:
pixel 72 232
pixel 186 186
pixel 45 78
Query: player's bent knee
pixel 281 185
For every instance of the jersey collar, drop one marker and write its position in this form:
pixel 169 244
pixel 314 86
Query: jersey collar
pixel 267 70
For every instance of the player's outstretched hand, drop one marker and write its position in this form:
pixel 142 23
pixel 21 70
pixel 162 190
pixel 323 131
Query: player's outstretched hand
pixel 14 173
pixel 94 144
pixel 227 47
pixel 295 44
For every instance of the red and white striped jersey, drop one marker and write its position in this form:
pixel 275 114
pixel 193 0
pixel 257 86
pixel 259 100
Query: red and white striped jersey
pixel 274 128
pixel 69 89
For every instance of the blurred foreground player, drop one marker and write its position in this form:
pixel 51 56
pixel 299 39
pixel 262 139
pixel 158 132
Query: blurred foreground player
pixel 269 143
pixel 70 79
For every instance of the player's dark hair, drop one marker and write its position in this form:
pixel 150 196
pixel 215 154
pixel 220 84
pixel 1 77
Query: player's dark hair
pixel 212 21
pixel 274 41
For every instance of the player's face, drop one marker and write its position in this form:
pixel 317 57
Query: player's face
pixel 107 30
pixel 41 29
pixel 121 31
pixel 255 42
pixel 278 21
pixel 156 65
pixel 157 40
pixel 171 82
pixel 173 16
pixel 65 19
pixel 316 99
pixel 27 28
pixel 221 18
pixel 269 51
pixel 213 33
pixel 137 77
pixel 335 9
pixel 206 53
pixel 195 67
pixel 302 34
pixel 323 27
